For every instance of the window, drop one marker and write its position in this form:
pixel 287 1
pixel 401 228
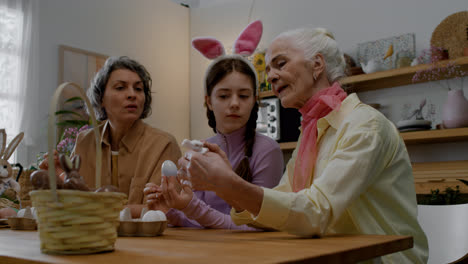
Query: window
pixel 11 27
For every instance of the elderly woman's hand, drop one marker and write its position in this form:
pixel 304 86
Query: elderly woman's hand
pixel 210 171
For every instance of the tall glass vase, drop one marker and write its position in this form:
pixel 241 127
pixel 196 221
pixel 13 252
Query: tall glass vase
pixel 455 110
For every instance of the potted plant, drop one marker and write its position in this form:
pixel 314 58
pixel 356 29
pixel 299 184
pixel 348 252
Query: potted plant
pixel 447 197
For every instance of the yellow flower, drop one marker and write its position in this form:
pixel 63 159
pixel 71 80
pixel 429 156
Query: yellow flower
pixel 259 62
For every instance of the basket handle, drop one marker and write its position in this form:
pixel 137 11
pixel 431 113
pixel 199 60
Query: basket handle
pixel 51 136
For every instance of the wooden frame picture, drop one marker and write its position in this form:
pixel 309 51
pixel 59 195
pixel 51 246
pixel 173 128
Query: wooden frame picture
pixel 77 66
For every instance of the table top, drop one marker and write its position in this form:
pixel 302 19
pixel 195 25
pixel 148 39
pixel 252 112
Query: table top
pixel 184 245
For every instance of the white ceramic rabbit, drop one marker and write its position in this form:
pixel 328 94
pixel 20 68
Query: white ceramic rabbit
pixel 6 173
pixel 372 66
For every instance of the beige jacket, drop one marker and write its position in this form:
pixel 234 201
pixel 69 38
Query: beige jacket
pixel 141 153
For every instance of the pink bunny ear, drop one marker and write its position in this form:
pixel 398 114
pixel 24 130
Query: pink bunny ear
pixel 249 38
pixel 208 47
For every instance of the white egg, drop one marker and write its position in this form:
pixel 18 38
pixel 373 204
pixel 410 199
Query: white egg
pixel 125 214
pixel 143 212
pixel 168 168
pixel 34 212
pixel 26 213
pixel 20 213
pixel 154 216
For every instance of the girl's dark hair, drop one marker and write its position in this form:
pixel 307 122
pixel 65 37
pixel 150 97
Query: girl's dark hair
pixel 215 75
pixel 98 84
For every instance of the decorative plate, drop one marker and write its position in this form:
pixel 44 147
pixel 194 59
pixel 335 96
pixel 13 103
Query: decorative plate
pixel 451 34
pixel 403 45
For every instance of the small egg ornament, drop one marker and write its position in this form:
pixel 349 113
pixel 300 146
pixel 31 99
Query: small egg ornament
pixel 195 145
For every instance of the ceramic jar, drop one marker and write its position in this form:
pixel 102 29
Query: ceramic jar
pixel 455 110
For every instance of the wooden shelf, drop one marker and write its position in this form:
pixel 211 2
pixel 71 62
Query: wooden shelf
pixel 394 77
pixel 440 175
pixel 418 137
pixel 435 136
pixel 389 78
pixel 288 145
pixel 266 94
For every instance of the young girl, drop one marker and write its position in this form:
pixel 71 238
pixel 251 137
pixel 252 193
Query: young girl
pixel 230 98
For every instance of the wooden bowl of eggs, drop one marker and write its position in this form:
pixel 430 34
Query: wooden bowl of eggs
pixel 151 223
pixel 24 220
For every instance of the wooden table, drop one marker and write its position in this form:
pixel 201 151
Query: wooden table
pixel 183 245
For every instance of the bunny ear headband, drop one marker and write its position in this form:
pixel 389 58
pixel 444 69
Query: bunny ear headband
pixel 244 46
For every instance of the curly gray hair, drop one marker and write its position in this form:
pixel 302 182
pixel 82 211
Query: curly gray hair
pixel 98 84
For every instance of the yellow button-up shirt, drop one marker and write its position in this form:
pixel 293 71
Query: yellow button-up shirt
pixel 362 184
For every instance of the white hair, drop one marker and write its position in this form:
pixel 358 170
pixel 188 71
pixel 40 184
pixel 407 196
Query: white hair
pixel 319 40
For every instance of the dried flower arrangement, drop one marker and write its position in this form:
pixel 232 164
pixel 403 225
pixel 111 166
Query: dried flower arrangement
pixel 67 142
pixel 440 72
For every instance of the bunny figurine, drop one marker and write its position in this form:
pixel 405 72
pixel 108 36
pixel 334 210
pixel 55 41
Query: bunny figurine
pixel 40 180
pixel 73 179
pixel 7 183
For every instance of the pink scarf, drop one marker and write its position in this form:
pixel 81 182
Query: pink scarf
pixel 320 105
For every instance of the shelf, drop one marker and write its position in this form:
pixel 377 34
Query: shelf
pixel 394 77
pixel 288 145
pixel 440 175
pixel 418 137
pixel 435 136
pixel 266 94
pixel 389 78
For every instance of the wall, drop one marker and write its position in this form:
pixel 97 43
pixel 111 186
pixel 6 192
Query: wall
pixel 352 22
pixel 155 33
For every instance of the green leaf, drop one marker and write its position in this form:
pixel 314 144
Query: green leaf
pixel 68 112
pixel 76 98
pixel 464 181
pixel 78 123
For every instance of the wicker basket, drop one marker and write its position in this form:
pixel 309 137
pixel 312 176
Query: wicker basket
pixel 6 203
pixel 76 222
pixel 25 183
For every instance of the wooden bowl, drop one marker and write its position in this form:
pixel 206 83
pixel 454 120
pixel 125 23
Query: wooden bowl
pixel 4 223
pixel 141 229
pixel 22 223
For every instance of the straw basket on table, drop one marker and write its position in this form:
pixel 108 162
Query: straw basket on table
pixel 71 221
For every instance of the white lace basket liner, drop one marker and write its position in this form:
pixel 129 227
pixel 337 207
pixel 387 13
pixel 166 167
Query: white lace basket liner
pixel 71 221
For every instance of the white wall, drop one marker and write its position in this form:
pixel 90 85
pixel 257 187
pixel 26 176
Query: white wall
pixel 352 22
pixel 155 33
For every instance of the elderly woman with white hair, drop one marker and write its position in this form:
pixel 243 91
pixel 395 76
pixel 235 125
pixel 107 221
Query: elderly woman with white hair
pixel 350 172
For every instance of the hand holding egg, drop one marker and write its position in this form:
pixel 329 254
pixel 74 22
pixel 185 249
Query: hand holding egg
pixel 206 171
pixel 176 195
pixel 154 198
